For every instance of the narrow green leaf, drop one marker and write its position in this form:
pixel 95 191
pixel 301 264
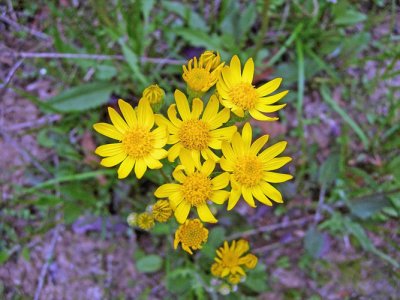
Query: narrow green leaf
pixel 335 106
pixel 82 97
pixel 329 170
pixel 133 62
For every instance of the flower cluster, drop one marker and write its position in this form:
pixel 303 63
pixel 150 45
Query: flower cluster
pixel 215 161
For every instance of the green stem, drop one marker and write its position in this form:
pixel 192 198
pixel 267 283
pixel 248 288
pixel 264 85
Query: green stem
pixel 165 177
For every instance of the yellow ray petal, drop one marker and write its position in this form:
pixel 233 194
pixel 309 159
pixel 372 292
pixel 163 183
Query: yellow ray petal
pixel 182 211
pixel 259 116
pixel 211 109
pixel 221 181
pixel 269 87
pixel 269 108
pixel 174 151
pixel 187 161
pixel 260 196
pixel 248 197
pixel 219 197
pixel 166 190
pixel 117 120
pixel 208 167
pixel 126 167
pixel 247 136
pixel 159 153
pixel 233 199
pixel 113 160
pixel 227 165
pixel 128 112
pixel 236 69
pixel 237 144
pixel 221 118
pixel 140 168
pixel 152 163
pixel 276 163
pixel 145 114
pixel 182 105
pixel 178 174
pixel 197 108
pixel 175 199
pixel 228 152
pixel 276 177
pixel 272 99
pixel 273 151
pixel 258 144
pixel 271 192
pixel 205 214
pixel 248 71
pixel 108 130
pixel 109 149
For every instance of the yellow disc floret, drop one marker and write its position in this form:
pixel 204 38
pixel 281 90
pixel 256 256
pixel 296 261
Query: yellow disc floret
pixel 192 234
pixel 194 134
pixel 162 211
pixel 145 221
pixel 244 95
pixel 248 171
pixel 138 142
pixel 197 189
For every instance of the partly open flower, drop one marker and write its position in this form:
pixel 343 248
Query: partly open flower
pixel 238 93
pixel 198 135
pixel 211 57
pixel 192 234
pixel 195 188
pixel 161 211
pixel 251 171
pixel 230 260
pixel 145 221
pixel 155 95
pixel 199 76
pixel 138 145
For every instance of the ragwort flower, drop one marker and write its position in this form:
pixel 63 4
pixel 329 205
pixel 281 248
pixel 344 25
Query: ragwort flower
pixel 238 93
pixel 194 189
pixel 251 170
pixel 212 57
pixel 145 221
pixel 192 234
pixel 230 260
pixel 198 135
pixel 199 76
pixel 138 145
pixel 155 95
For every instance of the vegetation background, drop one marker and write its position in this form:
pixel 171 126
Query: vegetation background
pixel 62 217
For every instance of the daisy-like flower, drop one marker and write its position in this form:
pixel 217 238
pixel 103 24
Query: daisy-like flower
pixel 138 145
pixel 145 221
pixel 230 260
pixel 155 95
pixel 194 189
pixel 251 171
pixel 198 135
pixel 192 234
pixel 161 211
pixel 200 76
pixel 238 93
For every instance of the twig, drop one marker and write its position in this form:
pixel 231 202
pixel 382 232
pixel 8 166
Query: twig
pixel 33 124
pixel 11 73
pixel 31 31
pixel 45 267
pixel 154 60
pixel 272 227
pixel 276 245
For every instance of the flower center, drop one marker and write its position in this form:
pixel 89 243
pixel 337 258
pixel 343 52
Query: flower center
pixel 197 79
pixel 138 142
pixel 194 134
pixel 193 234
pixel 230 259
pixel 196 189
pixel 248 171
pixel 244 95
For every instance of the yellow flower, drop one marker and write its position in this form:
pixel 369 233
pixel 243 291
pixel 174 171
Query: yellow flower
pixel 138 146
pixel 216 269
pixel 199 76
pixel 193 133
pixel 211 57
pixel 231 260
pixel 155 95
pixel 194 189
pixel 145 221
pixel 238 93
pixel 192 234
pixel 251 171
pixel 162 211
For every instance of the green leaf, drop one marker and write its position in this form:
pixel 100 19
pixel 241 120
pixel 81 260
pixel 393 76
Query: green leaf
pixel 314 242
pixel 367 206
pixel 26 254
pixel 48 201
pixel 82 97
pixel 256 279
pixel 329 170
pixel 149 264
pixel 335 106
pixel 3 256
pixel 350 17
pixel 199 38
